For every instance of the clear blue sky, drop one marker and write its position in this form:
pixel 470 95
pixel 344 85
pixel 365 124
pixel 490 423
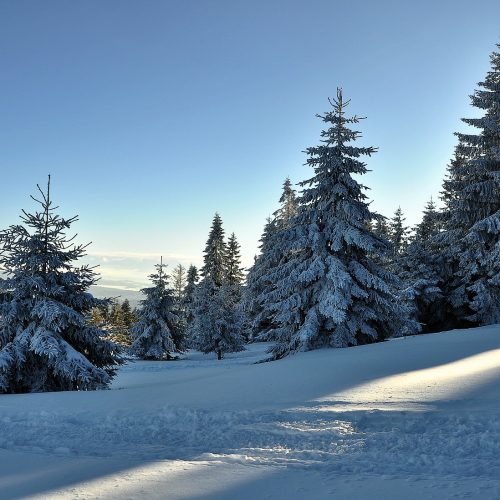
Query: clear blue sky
pixel 152 115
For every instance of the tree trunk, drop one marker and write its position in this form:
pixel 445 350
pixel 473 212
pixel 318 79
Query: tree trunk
pixel 219 354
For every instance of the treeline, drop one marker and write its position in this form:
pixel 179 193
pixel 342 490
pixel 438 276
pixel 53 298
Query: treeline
pixel 180 311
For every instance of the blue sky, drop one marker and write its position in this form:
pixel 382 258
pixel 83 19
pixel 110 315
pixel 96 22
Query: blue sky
pixel 152 115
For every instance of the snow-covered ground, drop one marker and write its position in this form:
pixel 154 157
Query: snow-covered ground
pixel 416 417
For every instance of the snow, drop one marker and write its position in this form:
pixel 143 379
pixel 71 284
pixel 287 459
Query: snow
pixel 415 417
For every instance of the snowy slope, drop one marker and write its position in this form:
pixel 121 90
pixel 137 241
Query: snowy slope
pixel 417 417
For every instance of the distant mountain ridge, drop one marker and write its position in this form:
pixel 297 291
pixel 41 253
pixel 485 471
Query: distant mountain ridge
pixel 133 296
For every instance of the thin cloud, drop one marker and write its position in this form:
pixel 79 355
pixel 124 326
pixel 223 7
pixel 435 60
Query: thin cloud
pixel 139 256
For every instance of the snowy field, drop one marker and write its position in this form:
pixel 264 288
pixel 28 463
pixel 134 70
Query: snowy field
pixel 417 417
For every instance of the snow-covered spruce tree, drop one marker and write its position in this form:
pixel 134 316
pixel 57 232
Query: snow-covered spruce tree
pixel 191 282
pixel 215 258
pixel 46 340
pixel 217 318
pixel 288 204
pixel 234 282
pixel 452 186
pixel 330 291
pixel 259 282
pixel 442 248
pixel 398 232
pixel 154 333
pixel 381 228
pixel 179 282
pixel 430 224
pixel 420 267
pixel 475 208
pixel 234 271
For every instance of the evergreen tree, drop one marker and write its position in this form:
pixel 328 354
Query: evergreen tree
pixel 215 257
pixel 452 186
pixel 442 249
pixel 217 318
pixel 128 315
pixel 218 321
pixel 111 320
pixel 155 330
pixel 430 225
pixel 46 341
pixel 259 279
pixel 398 232
pixel 475 208
pixel 258 284
pixel 179 281
pixel 191 282
pixel 120 332
pixel 420 269
pixel 288 207
pixel 381 228
pixel 330 291
pixel 234 271
pixel 98 318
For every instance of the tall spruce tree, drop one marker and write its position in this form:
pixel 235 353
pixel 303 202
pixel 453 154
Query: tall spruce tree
pixel 215 258
pixel 259 280
pixel 179 282
pixel 420 269
pixel 191 283
pixel 452 186
pixel 234 271
pixel 475 208
pixel 191 280
pixel 258 284
pixel 46 340
pixel 288 204
pixel 155 332
pixel 430 224
pixel 330 291
pixel 442 249
pixel 398 232
pixel 128 314
pixel 120 332
pixel 217 324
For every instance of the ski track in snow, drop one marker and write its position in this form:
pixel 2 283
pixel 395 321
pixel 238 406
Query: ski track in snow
pixel 359 441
